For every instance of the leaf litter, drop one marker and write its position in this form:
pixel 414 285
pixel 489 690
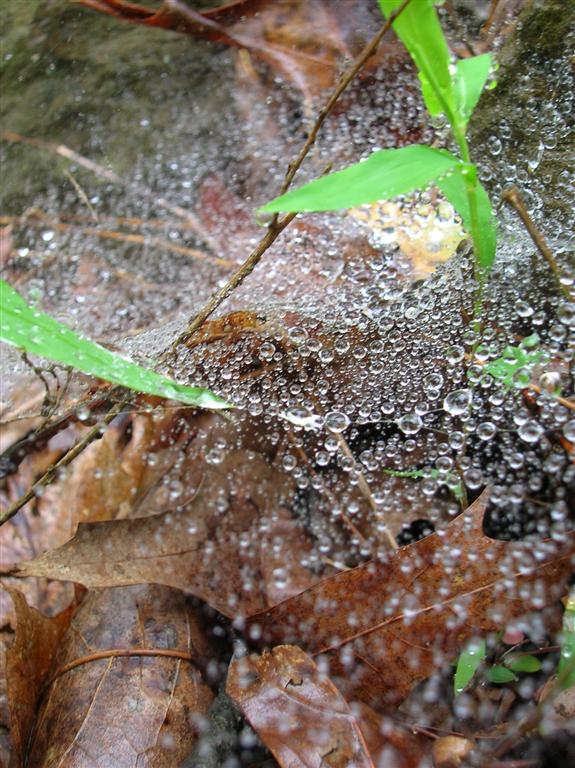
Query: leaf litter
pixel 253 513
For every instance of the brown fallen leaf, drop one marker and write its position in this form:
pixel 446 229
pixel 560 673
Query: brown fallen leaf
pixel 124 710
pixel 28 663
pixel 303 40
pixel 388 624
pixel 233 542
pixel 6 245
pixel 304 720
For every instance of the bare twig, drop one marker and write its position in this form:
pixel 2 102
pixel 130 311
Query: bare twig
pixel 236 279
pixel 344 81
pixel 278 225
pixel 512 196
pixel 122 653
pixel 82 195
pixel 66 459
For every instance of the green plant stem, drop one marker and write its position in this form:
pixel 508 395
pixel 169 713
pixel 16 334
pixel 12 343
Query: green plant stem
pixel 471 189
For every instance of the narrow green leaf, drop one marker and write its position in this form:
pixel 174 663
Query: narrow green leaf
pixel 484 234
pixel 420 31
pixel 566 669
pixel 500 675
pixel 23 326
pixel 469 80
pixel 385 174
pixel 467 664
pixel 520 662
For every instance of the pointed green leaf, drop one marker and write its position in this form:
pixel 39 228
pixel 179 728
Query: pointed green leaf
pixel 385 174
pixel 500 675
pixel 455 188
pixel 432 102
pixel 420 31
pixel 467 664
pixel 522 662
pixel 469 80
pixel 23 326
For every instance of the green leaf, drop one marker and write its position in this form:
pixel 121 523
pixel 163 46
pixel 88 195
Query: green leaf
pixel 520 662
pixel 456 189
pixel 500 675
pixel 467 664
pixel 566 670
pixel 513 368
pixel 469 80
pixel 23 326
pixel 420 31
pixel 385 174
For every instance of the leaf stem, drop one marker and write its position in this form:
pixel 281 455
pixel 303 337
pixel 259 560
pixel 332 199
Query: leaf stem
pixel 471 190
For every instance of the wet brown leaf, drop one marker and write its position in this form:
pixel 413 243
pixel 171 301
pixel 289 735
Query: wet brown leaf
pixel 233 542
pixel 304 720
pixel 304 40
pixel 127 711
pixel 388 624
pixel 28 662
pixel 6 245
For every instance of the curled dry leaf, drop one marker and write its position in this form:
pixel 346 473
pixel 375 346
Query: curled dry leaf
pixel 451 751
pixel 305 721
pixel 233 543
pixel 28 663
pixel 412 612
pixel 129 711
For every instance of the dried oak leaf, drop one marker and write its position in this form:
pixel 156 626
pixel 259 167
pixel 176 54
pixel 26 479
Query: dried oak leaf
pixel 235 544
pixel 305 721
pixel 388 624
pixel 125 710
pixel 28 663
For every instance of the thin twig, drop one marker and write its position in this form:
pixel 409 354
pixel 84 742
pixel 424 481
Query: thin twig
pixel 236 279
pixel 82 195
pixel 122 653
pixel 66 459
pixel 512 195
pixel 344 81
pixel 276 226
pixel 363 485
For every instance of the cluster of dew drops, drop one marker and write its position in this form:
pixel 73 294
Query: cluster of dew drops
pixel 397 374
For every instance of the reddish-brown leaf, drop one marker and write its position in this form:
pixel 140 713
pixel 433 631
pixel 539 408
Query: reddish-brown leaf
pixel 303 39
pixel 304 720
pixel 389 624
pixel 235 543
pixel 6 245
pixel 28 663
pixel 129 711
